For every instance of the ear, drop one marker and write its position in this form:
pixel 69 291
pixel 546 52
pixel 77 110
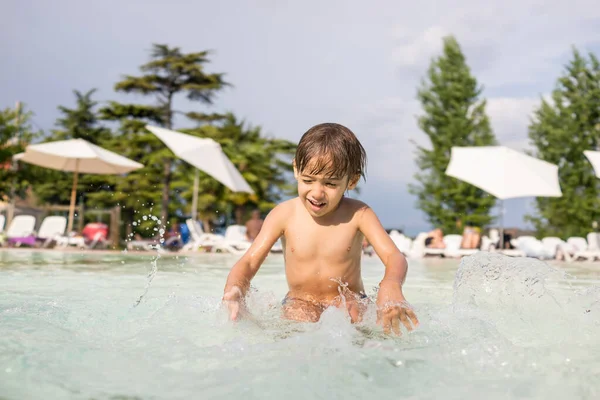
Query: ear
pixel 352 182
pixel 295 170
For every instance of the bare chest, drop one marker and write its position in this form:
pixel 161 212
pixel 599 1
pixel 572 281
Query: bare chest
pixel 309 242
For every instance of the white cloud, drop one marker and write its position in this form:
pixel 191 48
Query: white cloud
pixel 510 118
pixel 505 42
pixel 389 132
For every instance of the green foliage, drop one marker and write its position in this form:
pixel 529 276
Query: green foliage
pixel 261 161
pixel 168 73
pixel 15 133
pixel 454 115
pixel 81 122
pixel 138 191
pixel 561 130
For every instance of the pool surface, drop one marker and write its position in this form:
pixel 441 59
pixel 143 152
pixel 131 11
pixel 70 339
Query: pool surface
pixel 118 326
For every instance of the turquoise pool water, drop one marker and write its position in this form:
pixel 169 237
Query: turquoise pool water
pixel 493 328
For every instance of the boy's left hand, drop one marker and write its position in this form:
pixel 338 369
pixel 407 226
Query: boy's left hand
pixel 392 308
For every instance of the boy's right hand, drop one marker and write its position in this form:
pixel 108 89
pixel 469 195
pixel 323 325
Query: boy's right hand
pixel 233 298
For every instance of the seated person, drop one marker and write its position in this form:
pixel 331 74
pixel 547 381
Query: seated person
pixel 471 238
pixel 95 232
pixel 253 226
pixel 172 238
pixel 435 239
pixel 506 241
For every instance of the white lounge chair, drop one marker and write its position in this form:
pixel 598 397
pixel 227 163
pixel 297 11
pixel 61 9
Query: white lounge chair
pixel 142 244
pixel 200 239
pixel 234 242
pixel 403 243
pixel 419 250
pixel 588 250
pixel 530 246
pixel 52 229
pixel 556 246
pixel 453 248
pixel 492 243
pixel 2 222
pixel 21 227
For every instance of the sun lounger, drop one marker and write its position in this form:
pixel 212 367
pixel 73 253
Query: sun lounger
pixel 21 230
pixel 419 250
pixel 402 242
pixel 142 244
pixel 71 240
pixel 200 239
pixel 51 229
pixel 453 248
pixel 234 242
pixel 588 250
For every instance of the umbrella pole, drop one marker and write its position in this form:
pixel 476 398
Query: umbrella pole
pixel 73 195
pixel 195 195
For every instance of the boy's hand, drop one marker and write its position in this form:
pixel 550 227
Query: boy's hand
pixel 233 298
pixel 392 308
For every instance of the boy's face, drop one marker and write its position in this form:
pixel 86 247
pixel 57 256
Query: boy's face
pixel 321 193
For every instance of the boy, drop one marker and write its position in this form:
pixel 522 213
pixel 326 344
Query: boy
pixel 322 234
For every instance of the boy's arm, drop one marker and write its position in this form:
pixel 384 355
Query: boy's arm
pixel 394 261
pixel 244 270
pixel 392 308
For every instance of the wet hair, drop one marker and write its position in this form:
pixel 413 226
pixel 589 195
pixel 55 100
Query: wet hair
pixel 331 149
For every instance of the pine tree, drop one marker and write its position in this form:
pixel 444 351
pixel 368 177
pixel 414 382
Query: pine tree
pixel 562 128
pixel 169 73
pixel 454 115
pixel 80 122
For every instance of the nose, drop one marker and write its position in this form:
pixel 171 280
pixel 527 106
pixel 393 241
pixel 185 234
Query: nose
pixel 318 191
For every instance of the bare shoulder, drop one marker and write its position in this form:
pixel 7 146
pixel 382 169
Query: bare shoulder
pixel 355 207
pixel 282 213
pixel 363 215
pixel 286 206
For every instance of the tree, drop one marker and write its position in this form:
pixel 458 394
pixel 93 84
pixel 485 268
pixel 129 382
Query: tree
pixel 454 115
pixel 265 163
pixel 15 133
pixel 136 192
pixel 168 74
pixel 81 122
pixel 562 128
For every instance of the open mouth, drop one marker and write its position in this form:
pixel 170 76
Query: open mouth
pixel 316 204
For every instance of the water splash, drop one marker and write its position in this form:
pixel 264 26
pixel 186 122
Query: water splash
pixel 526 300
pixel 151 275
pixel 160 229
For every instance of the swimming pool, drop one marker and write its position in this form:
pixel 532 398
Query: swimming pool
pixel 498 328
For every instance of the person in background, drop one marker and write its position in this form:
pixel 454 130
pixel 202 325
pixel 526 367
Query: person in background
pixel 173 236
pixel 435 239
pixel 254 225
pixel 471 236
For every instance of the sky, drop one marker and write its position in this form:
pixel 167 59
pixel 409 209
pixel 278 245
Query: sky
pixel 293 64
